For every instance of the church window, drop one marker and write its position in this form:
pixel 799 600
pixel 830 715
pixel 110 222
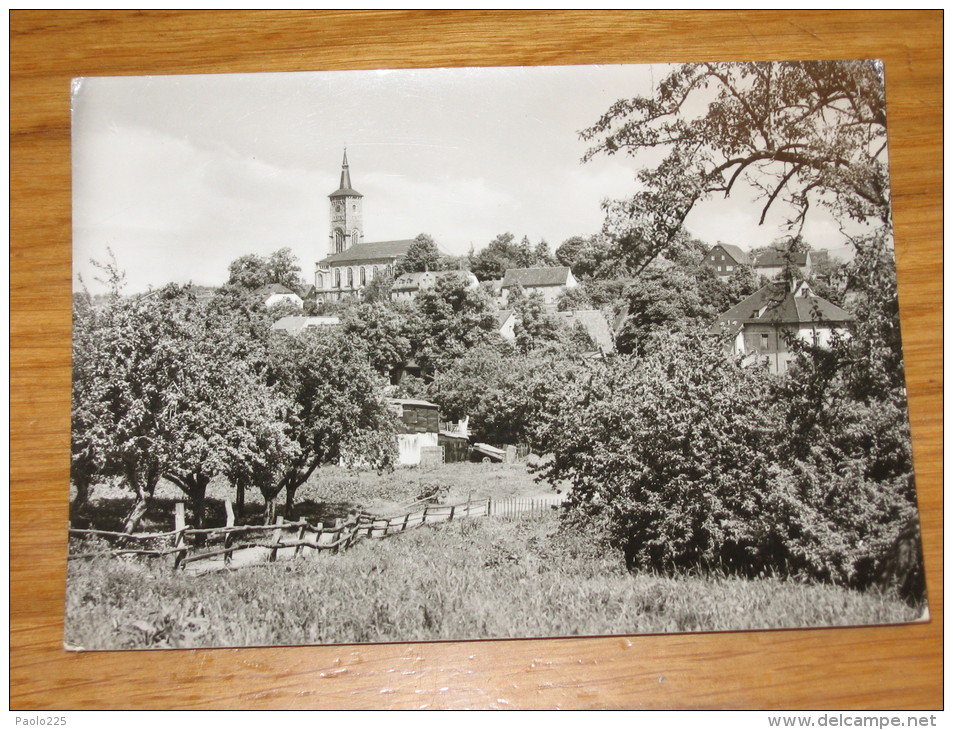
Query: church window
pixel 337 278
pixel 338 241
pixel 363 276
pixel 355 236
pixel 319 281
pixel 350 276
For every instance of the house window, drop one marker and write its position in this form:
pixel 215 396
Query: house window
pixel 764 341
pixel 729 268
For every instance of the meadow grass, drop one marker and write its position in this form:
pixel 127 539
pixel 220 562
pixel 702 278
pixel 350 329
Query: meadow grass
pixel 469 579
pixel 330 492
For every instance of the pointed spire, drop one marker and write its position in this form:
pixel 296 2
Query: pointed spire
pixel 345 173
pixel 345 187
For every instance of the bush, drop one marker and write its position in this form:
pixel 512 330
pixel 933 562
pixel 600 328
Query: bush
pixel 693 461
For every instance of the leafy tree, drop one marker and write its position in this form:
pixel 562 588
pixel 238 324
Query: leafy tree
pixel 338 414
pixel 504 253
pixel 129 410
pixel 252 271
pixel 574 298
pixel 453 318
pixel 423 255
pixel 535 326
pixel 508 397
pixel 378 290
pixel 384 331
pixel 801 132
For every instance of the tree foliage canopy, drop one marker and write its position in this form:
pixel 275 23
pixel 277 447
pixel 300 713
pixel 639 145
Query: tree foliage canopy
pixel 800 132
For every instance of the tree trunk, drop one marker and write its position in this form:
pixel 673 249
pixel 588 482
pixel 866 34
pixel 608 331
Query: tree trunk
pixel 82 496
pixel 240 500
pixel 290 502
pixel 271 509
pixel 138 510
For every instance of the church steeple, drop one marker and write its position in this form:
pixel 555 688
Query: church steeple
pixel 345 188
pixel 345 173
pixel 346 213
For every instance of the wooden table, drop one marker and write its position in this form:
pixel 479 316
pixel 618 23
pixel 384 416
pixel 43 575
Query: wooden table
pixel 869 668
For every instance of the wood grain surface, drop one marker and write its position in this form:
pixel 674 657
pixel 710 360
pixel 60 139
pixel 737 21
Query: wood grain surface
pixel 863 668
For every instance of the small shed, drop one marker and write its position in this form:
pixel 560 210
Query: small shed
pixel 418 427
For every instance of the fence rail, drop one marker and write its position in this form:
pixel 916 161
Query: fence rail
pixel 277 541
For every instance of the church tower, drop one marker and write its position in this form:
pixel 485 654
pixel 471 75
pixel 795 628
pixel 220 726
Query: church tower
pixel 347 227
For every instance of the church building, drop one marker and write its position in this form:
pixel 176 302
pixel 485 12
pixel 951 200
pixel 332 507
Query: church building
pixel 352 263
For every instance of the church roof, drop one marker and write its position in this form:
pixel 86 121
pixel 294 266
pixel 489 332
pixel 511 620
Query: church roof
pixel 365 252
pixel 540 276
pixel 345 188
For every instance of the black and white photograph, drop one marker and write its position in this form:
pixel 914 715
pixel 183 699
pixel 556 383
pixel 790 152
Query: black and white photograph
pixel 485 353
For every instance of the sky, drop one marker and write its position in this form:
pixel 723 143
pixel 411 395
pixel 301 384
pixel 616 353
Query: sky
pixel 180 175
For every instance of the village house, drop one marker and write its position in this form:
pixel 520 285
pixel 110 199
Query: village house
pixel 407 286
pixel 724 258
pixel 272 294
pixel 592 321
pixel 761 326
pixel 418 428
pixel 772 263
pixel 551 282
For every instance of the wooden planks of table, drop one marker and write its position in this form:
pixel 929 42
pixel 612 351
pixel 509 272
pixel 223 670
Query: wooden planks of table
pixel 897 667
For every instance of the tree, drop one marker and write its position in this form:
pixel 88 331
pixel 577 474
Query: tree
pixel 251 272
pixel 804 133
pixel 508 397
pixel 423 255
pixel 453 318
pixel 130 357
pixel 338 413
pixel 535 326
pixel 384 331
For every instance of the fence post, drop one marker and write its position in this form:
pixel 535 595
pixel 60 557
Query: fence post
pixel 452 508
pixel 317 538
pixel 180 533
pixel 469 495
pixel 300 540
pixel 424 520
pixel 337 524
pixel 273 556
pixel 489 506
pixel 229 522
pixel 406 518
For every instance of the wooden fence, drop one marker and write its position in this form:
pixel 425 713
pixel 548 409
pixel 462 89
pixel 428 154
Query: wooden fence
pixel 200 550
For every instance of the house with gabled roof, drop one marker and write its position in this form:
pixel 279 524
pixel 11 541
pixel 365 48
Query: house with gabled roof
pixel 548 281
pixel 724 258
pixel 773 262
pixel 271 294
pixel 407 286
pixel 763 325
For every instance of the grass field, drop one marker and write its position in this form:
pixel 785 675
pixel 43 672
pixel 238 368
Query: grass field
pixel 330 493
pixel 479 578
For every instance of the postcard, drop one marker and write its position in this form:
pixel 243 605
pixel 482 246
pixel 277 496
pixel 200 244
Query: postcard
pixel 484 353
